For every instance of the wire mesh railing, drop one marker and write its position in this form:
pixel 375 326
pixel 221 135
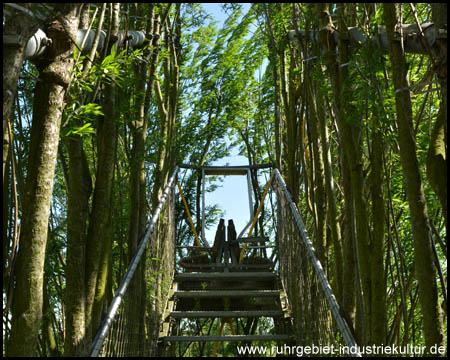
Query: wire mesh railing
pixel 316 315
pixel 131 326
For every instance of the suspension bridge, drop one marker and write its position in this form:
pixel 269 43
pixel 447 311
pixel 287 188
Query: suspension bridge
pixel 236 281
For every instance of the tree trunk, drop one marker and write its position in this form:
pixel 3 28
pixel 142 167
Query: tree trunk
pixel 17 30
pixel 145 74
pixel 47 111
pixel 437 152
pixel 425 269
pixel 437 155
pixel 350 277
pixel 139 132
pixel 274 64
pixel 79 191
pixel 48 335
pixel 167 111
pixel 379 308
pixel 277 116
pixel 332 215
pixel 292 149
pixel 99 219
pixel 201 162
pixel 137 173
pixel 377 250
pixel 350 135
pixel 318 186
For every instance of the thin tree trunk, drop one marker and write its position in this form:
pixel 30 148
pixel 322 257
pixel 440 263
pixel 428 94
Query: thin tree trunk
pixel 319 179
pixel 332 215
pixel 437 152
pixel 349 249
pixel 202 160
pixel 277 93
pixel 138 213
pixel 79 184
pixel 291 96
pixel 48 335
pixel 378 281
pixel 278 117
pixel 167 110
pixel 107 134
pixel 437 155
pixel 138 129
pixel 18 28
pixel 352 146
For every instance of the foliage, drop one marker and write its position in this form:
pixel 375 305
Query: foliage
pixel 236 85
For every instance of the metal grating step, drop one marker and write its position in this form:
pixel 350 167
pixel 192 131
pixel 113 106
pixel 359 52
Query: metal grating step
pixel 225 314
pixel 228 338
pixel 229 266
pixel 226 293
pixel 250 240
pixel 226 276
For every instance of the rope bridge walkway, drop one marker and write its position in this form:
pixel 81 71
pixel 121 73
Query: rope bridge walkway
pixel 233 281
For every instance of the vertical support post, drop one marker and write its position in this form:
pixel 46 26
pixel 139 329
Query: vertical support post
pixel 250 197
pixel 197 242
pixel 261 204
pixel 203 206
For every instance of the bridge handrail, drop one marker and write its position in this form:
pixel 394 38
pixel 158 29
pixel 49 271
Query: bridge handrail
pixel 115 303
pixel 334 306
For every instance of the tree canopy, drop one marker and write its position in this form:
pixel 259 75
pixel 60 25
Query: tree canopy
pixel 348 101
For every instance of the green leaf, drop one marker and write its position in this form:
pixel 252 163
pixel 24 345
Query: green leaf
pixel 82 130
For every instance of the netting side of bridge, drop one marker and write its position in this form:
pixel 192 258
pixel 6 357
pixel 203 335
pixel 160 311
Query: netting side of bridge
pixel 132 325
pixel 314 309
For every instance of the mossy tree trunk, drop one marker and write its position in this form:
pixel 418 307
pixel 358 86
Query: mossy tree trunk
pixel 48 106
pixel 167 102
pixel 99 219
pixel 425 268
pixel 349 274
pixel 79 191
pixel 139 125
pixel 78 196
pixel 145 72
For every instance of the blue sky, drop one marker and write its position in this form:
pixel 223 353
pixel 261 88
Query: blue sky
pixel 215 9
pixel 232 196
